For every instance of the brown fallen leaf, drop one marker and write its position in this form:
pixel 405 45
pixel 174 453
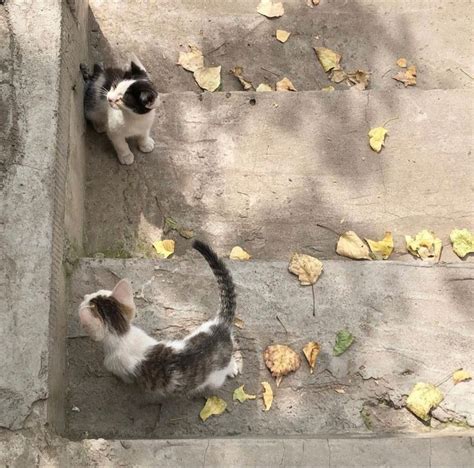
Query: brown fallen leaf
pixel 311 351
pixel 269 9
pixel 307 268
pixel 208 78
pixel 328 58
pixel 312 3
pixel 339 390
pixel 408 77
pixel 359 78
pixel 239 323
pixel 402 62
pixel 281 360
pixel 263 87
pixel 238 73
pixel 351 245
pixel 285 85
pixel 192 60
pixel 282 35
pixel 267 396
pixel 338 75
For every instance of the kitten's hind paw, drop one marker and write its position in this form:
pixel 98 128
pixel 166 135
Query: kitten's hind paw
pixel 126 158
pixel 146 145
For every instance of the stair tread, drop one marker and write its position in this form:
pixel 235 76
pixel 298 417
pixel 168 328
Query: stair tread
pixel 411 324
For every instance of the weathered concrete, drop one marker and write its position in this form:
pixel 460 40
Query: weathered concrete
pixel 18 451
pixel 402 317
pixel 263 175
pixel 34 146
pixel 370 34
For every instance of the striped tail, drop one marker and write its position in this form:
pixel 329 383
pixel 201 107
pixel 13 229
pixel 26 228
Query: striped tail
pixel 224 281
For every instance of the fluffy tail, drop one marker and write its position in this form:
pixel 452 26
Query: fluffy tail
pixel 224 281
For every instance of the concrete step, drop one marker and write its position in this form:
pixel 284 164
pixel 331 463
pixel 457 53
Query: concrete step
pixel 370 34
pixel 411 324
pixel 262 169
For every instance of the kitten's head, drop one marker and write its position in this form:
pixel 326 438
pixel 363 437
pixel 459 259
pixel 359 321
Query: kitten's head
pixel 108 312
pixel 134 91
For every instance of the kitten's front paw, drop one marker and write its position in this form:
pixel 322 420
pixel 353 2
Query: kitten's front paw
pixel 126 158
pixel 147 145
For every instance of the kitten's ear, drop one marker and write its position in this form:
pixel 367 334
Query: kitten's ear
pixel 123 294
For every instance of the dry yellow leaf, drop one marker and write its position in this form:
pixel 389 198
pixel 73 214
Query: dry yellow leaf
pixel 402 62
pixel 359 78
pixel 311 351
pixel 407 77
pixel 307 268
pixel 425 245
pixel 351 245
pixel 285 85
pixel 263 87
pixel 269 9
pixel 282 35
pixel 461 376
pixel 240 395
pixel 338 75
pixel 339 390
pixel 328 89
pixel 423 398
pixel 208 78
pixel 267 396
pixel 328 58
pixel 463 242
pixel 238 73
pixel 377 138
pixel 192 60
pixel 381 250
pixel 239 323
pixel 238 253
pixel 281 360
pixel 213 407
pixel 164 248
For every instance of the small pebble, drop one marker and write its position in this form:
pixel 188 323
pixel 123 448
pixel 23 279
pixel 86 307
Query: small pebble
pixel 75 409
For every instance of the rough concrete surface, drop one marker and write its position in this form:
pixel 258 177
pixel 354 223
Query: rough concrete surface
pixel 402 316
pixel 262 176
pixel 27 202
pixel 370 34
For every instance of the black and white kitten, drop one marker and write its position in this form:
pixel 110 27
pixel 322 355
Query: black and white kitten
pixel 202 360
pixel 122 103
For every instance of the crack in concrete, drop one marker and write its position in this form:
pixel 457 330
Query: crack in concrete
pixel 205 453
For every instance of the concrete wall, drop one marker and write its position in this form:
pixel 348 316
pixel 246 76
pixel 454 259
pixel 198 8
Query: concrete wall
pixel 41 44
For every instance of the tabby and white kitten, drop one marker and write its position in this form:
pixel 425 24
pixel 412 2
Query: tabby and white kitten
pixel 200 361
pixel 122 103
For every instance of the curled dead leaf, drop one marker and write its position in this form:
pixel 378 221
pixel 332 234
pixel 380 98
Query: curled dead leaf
pixel 328 58
pixel 307 268
pixel 240 395
pixel 192 60
pixel 425 245
pixel 213 407
pixel 238 253
pixel 282 35
pixel 238 73
pixel 423 398
pixel 338 75
pixel 377 138
pixel 381 250
pixel 359 78
pixel 407 77
pixel 239 323
pixel 164 248
pixel 285 85
pixel 208 78
pixel 311 351
pixel 281 360
pixel 267 396
pixel 263 87
pixel 269 9
pixel 351 245
pixel 461 375
pixel 402 62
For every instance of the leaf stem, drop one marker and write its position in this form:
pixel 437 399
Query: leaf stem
pixel 447 377
pixel 281 323
pixel 329 229
pixel 314 301
pixel 390 120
